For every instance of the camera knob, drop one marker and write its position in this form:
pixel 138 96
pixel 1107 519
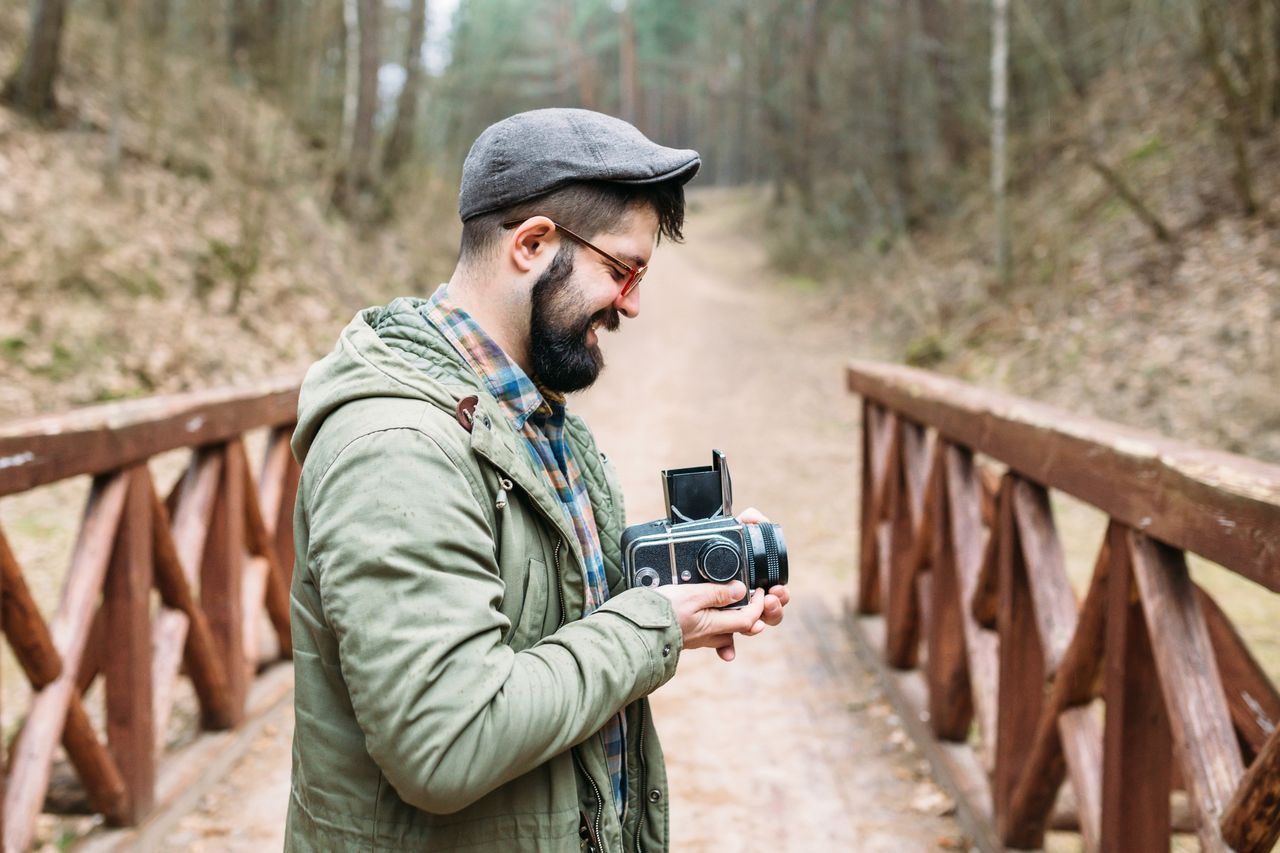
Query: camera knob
pixel 719 561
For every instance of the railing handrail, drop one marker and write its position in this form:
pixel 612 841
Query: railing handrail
pixel 1013 684
pixel 1221 506
pixel 39 450
pixel 214 554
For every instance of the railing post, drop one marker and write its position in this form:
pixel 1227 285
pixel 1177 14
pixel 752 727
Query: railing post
pixel 1022 666
pixel 126 665
pixel 221 571
pixel 1137 741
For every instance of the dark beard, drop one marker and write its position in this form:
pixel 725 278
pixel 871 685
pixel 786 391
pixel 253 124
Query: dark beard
pixel 558 350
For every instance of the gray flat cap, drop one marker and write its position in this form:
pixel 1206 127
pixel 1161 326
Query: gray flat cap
pixel 533 153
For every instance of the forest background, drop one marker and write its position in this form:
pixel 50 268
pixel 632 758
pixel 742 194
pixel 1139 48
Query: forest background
pixel 1071 199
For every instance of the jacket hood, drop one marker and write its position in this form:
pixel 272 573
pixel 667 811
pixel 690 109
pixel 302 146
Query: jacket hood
pixel 385 351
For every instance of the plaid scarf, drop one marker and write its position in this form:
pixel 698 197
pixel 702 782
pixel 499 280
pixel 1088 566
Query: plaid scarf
pixel 538 415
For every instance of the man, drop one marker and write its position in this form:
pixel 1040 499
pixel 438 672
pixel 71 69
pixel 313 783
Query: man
pixel 470 667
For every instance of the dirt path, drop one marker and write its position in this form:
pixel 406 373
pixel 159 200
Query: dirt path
pixel 790 747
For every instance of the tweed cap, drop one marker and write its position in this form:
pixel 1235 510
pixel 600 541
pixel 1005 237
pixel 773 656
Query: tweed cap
pixel 533 153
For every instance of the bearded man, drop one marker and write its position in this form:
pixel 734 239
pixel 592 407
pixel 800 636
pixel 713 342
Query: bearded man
pixel 471 669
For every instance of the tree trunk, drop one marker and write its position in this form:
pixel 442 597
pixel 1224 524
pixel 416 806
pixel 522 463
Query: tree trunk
pixel 156 20
pixel 356 180
pixel 811 104
pixel 239 31
pixel 119 14
pixel 935 20
pixel 399 143
pixel 999 118
pixel 896 104
pixel 1237 121
pixel 30 88
pixel 629 101
pixel 268 25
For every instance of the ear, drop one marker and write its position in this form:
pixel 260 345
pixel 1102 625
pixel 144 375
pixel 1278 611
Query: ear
pixel 534 240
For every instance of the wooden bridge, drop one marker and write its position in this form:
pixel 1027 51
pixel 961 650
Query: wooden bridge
pixel 1125 715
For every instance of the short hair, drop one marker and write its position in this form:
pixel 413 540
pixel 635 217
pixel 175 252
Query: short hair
pixel 587 207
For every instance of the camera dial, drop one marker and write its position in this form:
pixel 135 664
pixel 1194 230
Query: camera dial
pixel 647 577
pixel 719 561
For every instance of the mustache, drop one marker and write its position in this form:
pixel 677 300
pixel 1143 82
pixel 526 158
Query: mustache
pixel 608 318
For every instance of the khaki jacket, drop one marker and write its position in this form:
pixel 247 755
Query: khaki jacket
pixel 448 693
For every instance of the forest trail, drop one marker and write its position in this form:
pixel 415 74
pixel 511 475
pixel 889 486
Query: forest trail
pixel 790 747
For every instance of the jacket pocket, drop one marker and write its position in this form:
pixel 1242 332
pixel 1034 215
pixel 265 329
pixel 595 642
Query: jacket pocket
pixel 533 607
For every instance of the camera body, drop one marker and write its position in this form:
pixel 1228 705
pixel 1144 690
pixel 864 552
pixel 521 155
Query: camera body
pixel 700 541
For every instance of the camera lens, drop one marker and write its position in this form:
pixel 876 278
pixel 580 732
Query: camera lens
pixel 766 555
pixel 719 561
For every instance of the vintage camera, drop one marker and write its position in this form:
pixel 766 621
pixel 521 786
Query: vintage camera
pixel 700 541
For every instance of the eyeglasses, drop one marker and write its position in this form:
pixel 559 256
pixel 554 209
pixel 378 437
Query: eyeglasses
pixel 633 274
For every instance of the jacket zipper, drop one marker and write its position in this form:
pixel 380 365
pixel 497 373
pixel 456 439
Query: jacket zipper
pixel 644 772
pixel 595 789
pixel 559 582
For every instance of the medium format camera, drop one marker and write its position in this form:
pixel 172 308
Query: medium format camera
pixel 700 541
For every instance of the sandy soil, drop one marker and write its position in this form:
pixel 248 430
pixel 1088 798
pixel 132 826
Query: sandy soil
pixel 790 747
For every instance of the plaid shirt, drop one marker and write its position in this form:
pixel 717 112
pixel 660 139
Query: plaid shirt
pixel 538 415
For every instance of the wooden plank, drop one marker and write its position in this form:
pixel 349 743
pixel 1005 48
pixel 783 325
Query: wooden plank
pixel 282 528
pixel 275 591
pixel 277 493
pixel 1022 671
pixel 1081 732
pixel 1136 757
pixel 95 650
pixel 35 451
pixel 1251 697
pixel 103 784
pixel 127 602
pixel 221 576
pixel 189 528
pixel 32 753
pixel 1055 603
pixel 1251 823
pixel 947 665
pixel 1222 506
pixel 24 627
pixel 909 546
pixel 1203 739
pixel 965 523
pixel 985 602
pixel 880 447
pixel 200 651
pixel 1060 734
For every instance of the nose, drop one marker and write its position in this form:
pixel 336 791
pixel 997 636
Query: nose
pixel 628 306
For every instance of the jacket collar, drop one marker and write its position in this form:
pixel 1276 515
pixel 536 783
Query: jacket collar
pixel 403 326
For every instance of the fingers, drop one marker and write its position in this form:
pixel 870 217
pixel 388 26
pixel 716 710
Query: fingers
pixel 726 652
pixel 751 515
pixel 719 595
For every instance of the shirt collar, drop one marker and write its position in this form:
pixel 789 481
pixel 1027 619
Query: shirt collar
pixel 517 394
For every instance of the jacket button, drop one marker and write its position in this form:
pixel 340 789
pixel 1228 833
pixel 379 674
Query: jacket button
pixel 655 795
pixel 666 650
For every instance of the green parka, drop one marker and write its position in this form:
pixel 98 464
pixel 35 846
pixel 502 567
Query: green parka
pixel 448 694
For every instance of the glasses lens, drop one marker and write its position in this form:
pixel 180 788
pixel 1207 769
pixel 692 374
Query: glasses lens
pixel 637 273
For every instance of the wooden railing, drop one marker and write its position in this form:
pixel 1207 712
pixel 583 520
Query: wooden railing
pixel 1142 689
pixel 155 588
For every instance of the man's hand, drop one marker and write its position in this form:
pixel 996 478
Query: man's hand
pixel 703 624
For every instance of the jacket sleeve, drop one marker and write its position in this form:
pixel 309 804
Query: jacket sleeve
pixel 404 561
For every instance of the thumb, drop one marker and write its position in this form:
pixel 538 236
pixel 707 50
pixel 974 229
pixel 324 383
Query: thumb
pixel 721 594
